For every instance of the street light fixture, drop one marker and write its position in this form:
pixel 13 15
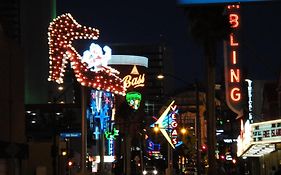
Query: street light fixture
pixel 160 76
pixel 60 88
pixel 183 131
pixel 156 128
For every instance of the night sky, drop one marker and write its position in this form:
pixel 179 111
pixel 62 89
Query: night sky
pixel 149 21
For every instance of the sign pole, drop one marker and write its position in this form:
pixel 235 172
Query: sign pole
pixel 84 130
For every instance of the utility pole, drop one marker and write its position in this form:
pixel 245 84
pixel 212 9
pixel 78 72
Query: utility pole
pixel 211 118
pixel 84 130
pixel 198 130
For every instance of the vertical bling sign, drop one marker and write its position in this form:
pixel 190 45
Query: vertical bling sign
pixel 231 56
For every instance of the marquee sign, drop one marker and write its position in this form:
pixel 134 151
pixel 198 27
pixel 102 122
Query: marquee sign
pixel 258 139
pixel 232 70
pixel 266 132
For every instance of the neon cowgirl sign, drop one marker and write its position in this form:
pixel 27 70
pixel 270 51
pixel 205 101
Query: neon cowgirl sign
pixel 232 70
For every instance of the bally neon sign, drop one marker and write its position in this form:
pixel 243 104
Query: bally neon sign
pixel 232 70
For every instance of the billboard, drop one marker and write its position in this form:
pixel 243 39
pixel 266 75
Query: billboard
pixel 202 2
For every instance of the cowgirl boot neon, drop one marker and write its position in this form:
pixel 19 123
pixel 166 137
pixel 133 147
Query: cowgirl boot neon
pixel 62 31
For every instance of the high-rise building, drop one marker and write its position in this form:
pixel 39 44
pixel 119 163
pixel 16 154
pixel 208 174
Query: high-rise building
pixel 10 18
pixel 12 137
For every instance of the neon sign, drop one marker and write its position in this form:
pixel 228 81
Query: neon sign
pixel 101 108
pixel 232 70
pixel 174 124
pixel 134 80
pixel 62 31
pixel 111 134
pixel 95 59
pixel 133 99
pixel 250 101
pixel 167 122
pixel 266 132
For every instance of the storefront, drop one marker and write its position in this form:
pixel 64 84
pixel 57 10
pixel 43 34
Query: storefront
pixel 259 144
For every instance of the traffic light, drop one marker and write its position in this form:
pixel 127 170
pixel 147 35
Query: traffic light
pixel 69 163
pixel 204 151
pixel 204 148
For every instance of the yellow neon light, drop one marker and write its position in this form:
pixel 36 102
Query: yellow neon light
pixel 234 75
pixel 160 124
pixel 129 81
pixel 235 94
pixel 234 57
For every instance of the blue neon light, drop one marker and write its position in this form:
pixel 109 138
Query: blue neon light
pixel 100 111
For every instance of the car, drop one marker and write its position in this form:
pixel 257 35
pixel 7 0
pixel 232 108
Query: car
pixel 150 170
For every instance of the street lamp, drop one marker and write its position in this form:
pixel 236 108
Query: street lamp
pixel 159 125
pixel 169 153
pixel 183 131
pixel 156 128
pixel 160 76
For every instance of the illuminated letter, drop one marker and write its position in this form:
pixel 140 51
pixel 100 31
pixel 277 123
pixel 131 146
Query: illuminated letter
pixel 232 42
pixel 233 19
pixel 127 81
pixel 174 140
pixel 174 124
pixel 235 94
pixel 234 75
pixel 174 133
pixel 234 57
pixel 174 116
pixel 174 107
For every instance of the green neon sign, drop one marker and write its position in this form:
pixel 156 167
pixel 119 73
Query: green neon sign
pixel 133 99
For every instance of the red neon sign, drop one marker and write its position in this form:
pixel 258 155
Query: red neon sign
pixel 232 70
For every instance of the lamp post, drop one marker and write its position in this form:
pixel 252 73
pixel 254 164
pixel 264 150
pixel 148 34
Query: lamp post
pixel 197 119
pixel 169 151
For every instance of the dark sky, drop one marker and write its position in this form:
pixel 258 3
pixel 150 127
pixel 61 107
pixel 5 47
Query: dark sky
pixel 151 21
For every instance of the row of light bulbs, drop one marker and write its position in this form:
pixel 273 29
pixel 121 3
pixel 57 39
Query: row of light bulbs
pixel 62 31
